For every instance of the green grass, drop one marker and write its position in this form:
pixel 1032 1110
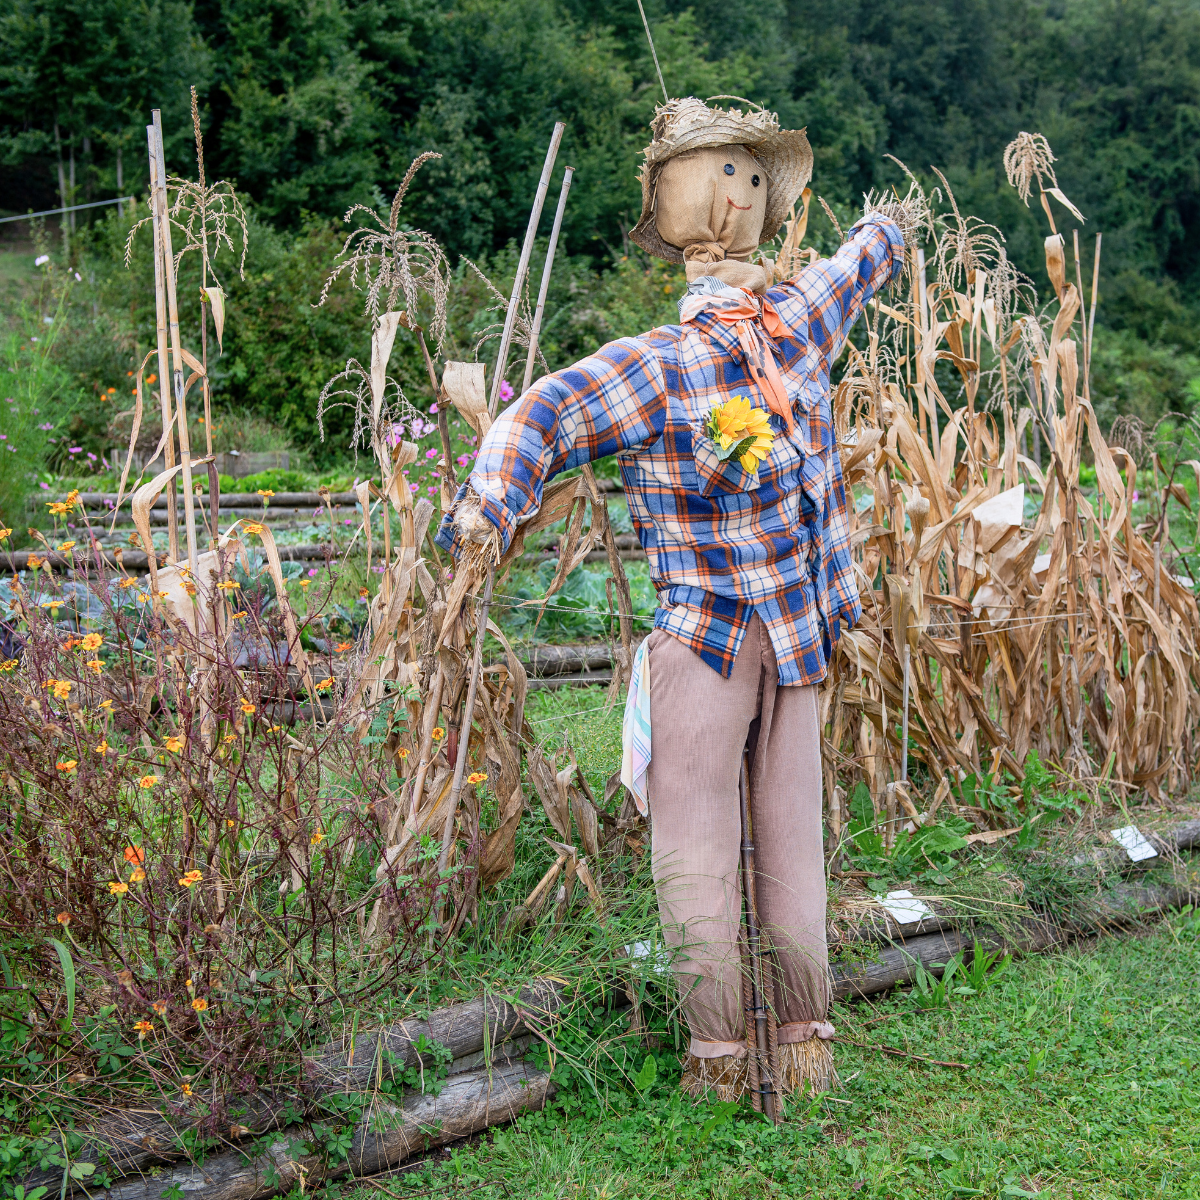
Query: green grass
pixel 1080 1081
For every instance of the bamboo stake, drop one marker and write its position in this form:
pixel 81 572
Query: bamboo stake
pixel 931 401
pixel 546 269
pixel 164 394
pixel 1087 366
pixel 1087 345
pixel 758 1008
pixel 523 265
pixel 185 452
pixel 904 718
pixel 464 738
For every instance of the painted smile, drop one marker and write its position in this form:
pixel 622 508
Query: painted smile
pixel 740 207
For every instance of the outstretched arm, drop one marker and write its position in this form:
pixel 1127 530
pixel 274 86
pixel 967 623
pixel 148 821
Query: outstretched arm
pixel 613 400
pixel 836 289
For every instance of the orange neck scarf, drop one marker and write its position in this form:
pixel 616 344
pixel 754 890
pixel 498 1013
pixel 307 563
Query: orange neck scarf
pixel 751 316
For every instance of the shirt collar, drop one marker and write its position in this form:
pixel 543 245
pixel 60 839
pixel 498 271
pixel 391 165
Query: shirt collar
pixel 708 285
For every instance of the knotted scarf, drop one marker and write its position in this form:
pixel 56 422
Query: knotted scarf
pixel 754 318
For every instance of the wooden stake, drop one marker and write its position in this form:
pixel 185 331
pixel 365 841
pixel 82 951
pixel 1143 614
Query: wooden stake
pixel 523 265
pixel 185 452
pixel 549 266
pixel 164 392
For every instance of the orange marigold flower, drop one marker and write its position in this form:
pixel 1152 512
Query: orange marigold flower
pixel 438 734
pixel 477 777
pixel 317 838
pixel 229 737
pixel 186 1089
pixel 127 581
pixel 143 1028
pixel 363 593
pixel 342 647
pixel 159 1006
pixel 102 747
pixel 253 527
pixel 190 878
pixel 137 875
pixel 95 665
pixel 118 887
pixel 68 766
pixel 63 547
pixel 92 642
pixel 229 585
pixel 62 689
pixel 173 744
pixel 199 1005
pixel 63 918
pixel 34 561
pixel 5 534
pixel 247 707
pixel 148 781
pixel 237 616
pixel 402 753
pixel 190 588
pixel 325 684
pixel 135 854
pixel 9 664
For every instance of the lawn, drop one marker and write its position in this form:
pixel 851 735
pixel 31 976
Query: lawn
pixel 1078 1079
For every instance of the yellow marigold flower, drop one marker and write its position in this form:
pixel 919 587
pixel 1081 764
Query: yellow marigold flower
pixel 95 665
pixel 247 707
pixel 62 688
pixel 163 595
pixel 106 704
pixel 317 838
pixel 68 766
pixel 325 684
pixel 92 642
pixel 275 729
pixel 159 1006
pixel 253 527
pixel 63 918
pixel 102 746
pixel 186 1089
pixel 63 547
pixel 126 581
pixel 229 737
pixel 477 777
pixel 53 605
pixel 190 588
pixel 230 822
pixel 190 878
pixel 305 582
pixel 118 887
pixel 35 562
pixel 72 497
pixel 143 598
pixel 438 734
pixel 402 753
pixel 9 664
pixel 57 508
pixel 173 744
pixel 143 1028
pixel 265 493
pixel 5 534
pixel 237 616
pixel 148 781
pixel 229 585
pixel 137 875
pixel 199 1005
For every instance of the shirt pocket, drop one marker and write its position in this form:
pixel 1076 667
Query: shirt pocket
pixel 812 438
pixel 715 478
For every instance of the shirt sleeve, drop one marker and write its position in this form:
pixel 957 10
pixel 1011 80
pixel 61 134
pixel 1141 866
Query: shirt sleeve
pixel 612 401
pixel 836 289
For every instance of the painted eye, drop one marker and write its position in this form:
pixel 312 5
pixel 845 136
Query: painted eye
pixel 754 180
pixel 729 168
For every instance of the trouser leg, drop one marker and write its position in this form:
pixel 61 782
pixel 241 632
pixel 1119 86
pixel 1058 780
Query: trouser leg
pixel 699 724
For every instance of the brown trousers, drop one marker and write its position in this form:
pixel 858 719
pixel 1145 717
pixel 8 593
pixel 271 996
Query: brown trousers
pixel 699 726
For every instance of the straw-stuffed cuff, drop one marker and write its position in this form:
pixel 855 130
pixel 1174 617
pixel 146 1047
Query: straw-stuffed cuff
pixel 450 536
pixel 717 1049
pixel 803 1031
pixel 895 241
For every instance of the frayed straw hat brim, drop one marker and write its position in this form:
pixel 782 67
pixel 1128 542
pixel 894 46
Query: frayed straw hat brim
pixel 683 125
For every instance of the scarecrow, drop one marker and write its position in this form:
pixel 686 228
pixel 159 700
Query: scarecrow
pixel 724 435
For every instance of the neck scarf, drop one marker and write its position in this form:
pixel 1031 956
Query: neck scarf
pixel 754 319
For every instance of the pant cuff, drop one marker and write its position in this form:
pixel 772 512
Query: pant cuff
pixel 802 1031
pixel 717 1049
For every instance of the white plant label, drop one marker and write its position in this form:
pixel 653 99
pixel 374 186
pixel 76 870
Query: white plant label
pixel 904 907
pixel 1134 842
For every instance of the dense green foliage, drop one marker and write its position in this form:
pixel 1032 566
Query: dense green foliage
pixel 309 107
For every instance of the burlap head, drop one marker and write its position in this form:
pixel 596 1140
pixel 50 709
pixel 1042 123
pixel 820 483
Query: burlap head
pixel 784 157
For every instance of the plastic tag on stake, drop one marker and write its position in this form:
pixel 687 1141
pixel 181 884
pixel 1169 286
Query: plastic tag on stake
pixel 904 907
pixel 1134 843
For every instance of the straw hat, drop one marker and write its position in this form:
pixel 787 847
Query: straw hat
pixel 689 124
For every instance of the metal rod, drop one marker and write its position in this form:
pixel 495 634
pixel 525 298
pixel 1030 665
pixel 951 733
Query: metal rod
pixel 754 946
pixel 52 212
pixel 185 452
pixel 523 265
pixel 164 391
pixel 464 737
pixel 546 269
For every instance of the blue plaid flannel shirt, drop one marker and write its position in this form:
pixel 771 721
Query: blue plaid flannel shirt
pixel 721 547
